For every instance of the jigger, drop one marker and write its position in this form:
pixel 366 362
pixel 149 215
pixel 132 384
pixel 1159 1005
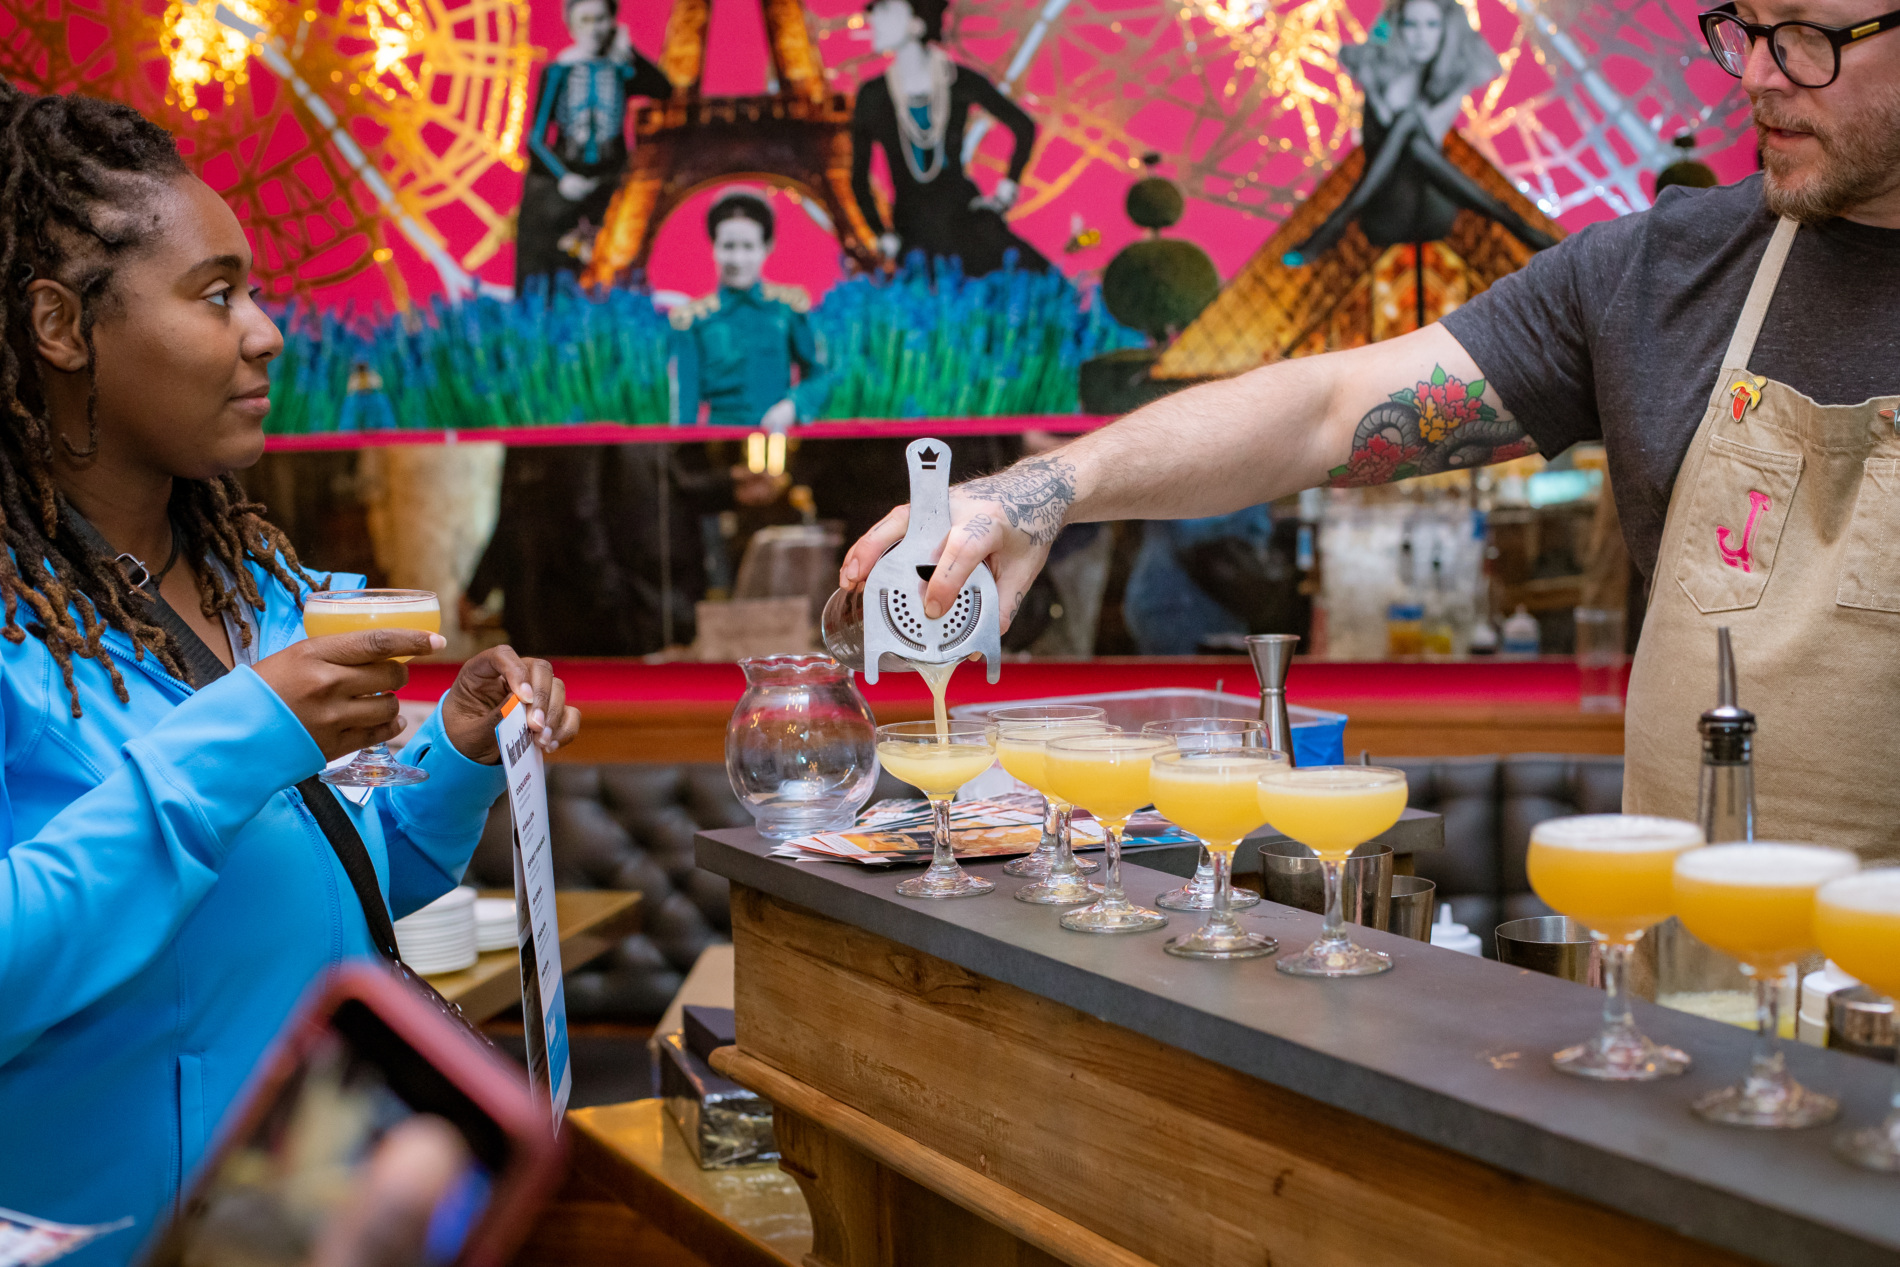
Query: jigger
pixel 1272 657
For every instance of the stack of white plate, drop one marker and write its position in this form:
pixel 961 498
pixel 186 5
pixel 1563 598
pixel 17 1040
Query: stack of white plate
pixel 441 936
pixel 495 927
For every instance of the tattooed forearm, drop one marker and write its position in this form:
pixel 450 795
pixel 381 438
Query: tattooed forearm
pixel 1035 494
pixel 1443 424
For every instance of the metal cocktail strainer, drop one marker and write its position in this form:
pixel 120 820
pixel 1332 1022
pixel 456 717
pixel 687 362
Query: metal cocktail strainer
pixel 896 630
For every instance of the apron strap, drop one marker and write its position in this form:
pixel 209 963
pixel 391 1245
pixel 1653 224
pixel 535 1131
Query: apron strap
pixel 1741 345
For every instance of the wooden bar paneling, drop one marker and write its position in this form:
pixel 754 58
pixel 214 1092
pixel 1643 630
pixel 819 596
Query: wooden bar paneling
pixel 1170 1156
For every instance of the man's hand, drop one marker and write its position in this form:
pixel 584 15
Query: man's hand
pixel 1009 519
pixel 472 708
pixel 575 186
pixel 340 686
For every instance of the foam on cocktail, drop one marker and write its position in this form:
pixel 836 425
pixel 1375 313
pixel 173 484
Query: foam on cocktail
pixel 1217 799
pixel 1857 921
pixel 1756 901
pixel 1332 810
pixel 1613 872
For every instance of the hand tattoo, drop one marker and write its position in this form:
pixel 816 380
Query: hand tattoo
pixel 1035 494
pixel 1440 425
pixel 977 526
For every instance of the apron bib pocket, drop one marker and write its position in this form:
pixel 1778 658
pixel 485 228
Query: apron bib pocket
pixel 1741 500
pixel 1870 565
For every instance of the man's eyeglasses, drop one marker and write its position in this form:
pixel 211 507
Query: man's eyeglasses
pixel 1808 53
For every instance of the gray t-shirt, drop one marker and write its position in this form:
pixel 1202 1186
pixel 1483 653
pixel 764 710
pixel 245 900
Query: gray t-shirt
pixel 1616 334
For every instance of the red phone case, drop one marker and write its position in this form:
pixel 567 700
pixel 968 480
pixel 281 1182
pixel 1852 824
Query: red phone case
pixel 498 1088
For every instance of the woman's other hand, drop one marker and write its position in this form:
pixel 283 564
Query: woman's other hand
pixel 339 686
pixel 472 708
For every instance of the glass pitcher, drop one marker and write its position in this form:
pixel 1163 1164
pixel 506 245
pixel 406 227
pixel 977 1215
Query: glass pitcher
pixel 801 750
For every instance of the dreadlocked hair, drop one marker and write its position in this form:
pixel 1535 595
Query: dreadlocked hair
pixel 73 174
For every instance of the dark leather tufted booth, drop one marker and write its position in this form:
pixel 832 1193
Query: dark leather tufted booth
pixel 1490 805
pixel 630 827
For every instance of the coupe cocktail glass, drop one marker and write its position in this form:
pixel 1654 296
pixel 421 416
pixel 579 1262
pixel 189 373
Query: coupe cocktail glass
pixel 1332 810
pixel 938 762
pixel 1756 902
pixel 1023 748
pixel 352 611
pixel 1107 775
pixel 1216 796
pixel 1207 734
pixel 1024 758
pixel 1857 921
pixel 1614 873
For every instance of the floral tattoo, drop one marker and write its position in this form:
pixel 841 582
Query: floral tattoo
pixel 1443 424
pixel 1035 494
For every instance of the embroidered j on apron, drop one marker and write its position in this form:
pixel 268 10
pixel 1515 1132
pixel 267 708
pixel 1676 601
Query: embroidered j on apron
pixel 1784 525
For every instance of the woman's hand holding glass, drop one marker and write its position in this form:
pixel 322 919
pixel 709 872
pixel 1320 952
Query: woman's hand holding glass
pixel 341 686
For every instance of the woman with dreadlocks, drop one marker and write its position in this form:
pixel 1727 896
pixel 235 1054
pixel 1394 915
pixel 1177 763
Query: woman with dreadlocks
pixel 166 893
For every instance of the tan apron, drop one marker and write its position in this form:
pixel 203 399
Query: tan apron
pixel 1785 526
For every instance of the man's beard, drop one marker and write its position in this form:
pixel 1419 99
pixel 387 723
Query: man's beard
pixel 1860 160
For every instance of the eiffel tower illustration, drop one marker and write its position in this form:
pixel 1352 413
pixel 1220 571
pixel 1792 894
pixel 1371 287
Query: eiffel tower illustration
pixel 796 138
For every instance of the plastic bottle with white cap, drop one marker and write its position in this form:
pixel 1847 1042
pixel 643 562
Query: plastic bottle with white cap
pixel 1454 936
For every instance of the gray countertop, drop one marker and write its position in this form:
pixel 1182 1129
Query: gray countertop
pixel 1447 1047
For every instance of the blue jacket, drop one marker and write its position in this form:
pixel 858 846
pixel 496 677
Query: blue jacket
pixel 165 900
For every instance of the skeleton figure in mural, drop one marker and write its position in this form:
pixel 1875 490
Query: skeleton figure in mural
pixel 1418 63
pixel 578 144
pixel 917 111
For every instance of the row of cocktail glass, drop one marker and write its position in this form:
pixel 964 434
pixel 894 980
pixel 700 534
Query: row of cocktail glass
pixel 1211 776
pixel 1765 904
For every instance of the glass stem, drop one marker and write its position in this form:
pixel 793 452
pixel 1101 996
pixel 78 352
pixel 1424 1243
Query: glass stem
pixel 1203 881
pixel 1333 928
pixel 1222 918
pixel 1617 1015
pixel 1065 843
pixel 1768 1064
pixel 1050 844
pixel 1112 864
pixel 943 860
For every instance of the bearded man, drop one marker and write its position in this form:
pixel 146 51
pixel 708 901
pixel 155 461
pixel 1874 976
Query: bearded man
pixel 1737 350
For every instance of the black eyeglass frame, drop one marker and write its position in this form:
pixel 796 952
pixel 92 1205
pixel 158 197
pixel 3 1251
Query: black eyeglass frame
pixel 1838 37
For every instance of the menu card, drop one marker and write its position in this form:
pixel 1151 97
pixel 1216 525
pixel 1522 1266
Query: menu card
pixel 543 1004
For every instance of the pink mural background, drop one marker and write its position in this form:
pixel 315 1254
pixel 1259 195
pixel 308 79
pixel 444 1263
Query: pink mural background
pixel 1246 129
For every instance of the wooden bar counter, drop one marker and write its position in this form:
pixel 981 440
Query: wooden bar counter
pixel 964 1082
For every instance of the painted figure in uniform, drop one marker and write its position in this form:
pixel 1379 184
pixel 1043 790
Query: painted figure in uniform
pixel 1416 67
pixel 917 110
pixel 735 348
pixel 578 145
